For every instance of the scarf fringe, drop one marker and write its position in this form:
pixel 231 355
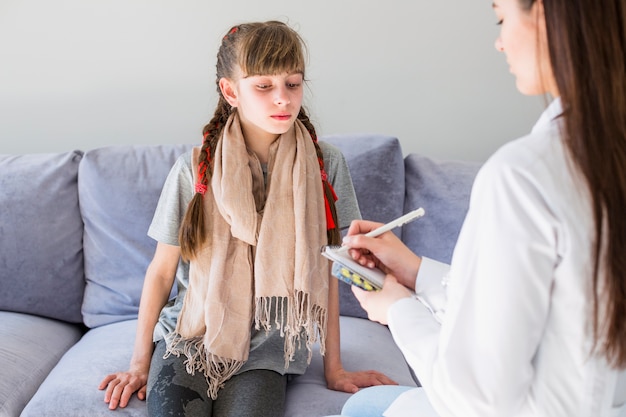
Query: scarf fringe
pixel 300 315
pixel 216 370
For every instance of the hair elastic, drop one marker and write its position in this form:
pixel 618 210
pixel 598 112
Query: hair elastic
pixel 200 188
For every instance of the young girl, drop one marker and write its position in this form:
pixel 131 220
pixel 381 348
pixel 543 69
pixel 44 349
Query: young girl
pixel 248 213
pixel 531 320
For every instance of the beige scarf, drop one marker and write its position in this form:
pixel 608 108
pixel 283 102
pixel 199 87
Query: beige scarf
pixel 253 256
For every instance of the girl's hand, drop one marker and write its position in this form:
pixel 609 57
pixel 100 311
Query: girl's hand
pixel 342 380
pixel 120 386
pixel 377 303
pixel 386 252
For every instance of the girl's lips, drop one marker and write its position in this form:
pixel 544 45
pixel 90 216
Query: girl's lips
pixel 281 116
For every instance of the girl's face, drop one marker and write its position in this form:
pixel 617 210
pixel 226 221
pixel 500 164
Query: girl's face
pixel 524 42
pixel 268 105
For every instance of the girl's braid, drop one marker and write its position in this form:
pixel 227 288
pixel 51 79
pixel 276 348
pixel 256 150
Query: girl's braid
pixel 332 226
pixel 212 134
pixel 192 230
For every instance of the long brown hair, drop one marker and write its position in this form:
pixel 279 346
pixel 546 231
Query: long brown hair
pixel 587 46
pixel 255 49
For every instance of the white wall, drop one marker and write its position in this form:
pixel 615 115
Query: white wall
pixel 79 74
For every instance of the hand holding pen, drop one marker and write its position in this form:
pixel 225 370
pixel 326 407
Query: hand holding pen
pixel 386 252
pixel 409 217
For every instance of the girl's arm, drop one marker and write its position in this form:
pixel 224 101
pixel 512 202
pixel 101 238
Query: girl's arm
pixel 158 282
pixel 347 208
pixel 338 378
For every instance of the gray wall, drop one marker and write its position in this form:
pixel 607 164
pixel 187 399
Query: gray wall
pixel 79 74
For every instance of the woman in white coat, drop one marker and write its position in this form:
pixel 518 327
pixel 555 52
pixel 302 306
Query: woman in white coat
pixel 530 317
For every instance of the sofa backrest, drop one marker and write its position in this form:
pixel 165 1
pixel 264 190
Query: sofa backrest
pixel 41 231
pixel 48 250
pixel 442 188
pixel 377 172
pixel 119 187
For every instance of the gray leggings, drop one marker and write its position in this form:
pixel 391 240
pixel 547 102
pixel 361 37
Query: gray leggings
pixel 173 392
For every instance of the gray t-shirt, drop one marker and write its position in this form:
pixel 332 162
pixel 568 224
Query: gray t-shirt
pixel 266 348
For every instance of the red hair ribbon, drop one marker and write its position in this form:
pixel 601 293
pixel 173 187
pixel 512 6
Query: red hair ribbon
pixel 330 223
pixel 200 187
pixel 233 30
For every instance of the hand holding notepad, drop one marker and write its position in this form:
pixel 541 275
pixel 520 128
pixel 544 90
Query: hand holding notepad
pixel 348 270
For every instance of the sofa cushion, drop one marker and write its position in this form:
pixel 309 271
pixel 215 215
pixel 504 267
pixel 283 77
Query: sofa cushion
pixel 442 188
pixel 41 258
pixel 365 345
pixel 71 387
pixel 31 347
pixel 377 171
pixel 119 187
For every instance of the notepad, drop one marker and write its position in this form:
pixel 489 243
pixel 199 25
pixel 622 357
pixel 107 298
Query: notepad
pixel 348 270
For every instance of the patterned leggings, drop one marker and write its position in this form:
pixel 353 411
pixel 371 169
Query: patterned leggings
pixel 173 392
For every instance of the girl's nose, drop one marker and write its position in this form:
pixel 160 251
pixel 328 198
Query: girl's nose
pixel 281 98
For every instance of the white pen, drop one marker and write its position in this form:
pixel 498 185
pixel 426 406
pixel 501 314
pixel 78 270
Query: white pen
pixel 410 216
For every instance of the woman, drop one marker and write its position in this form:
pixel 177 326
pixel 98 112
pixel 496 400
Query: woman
pixel 530 317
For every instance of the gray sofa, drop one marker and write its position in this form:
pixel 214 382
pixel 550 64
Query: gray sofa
pixel 73 251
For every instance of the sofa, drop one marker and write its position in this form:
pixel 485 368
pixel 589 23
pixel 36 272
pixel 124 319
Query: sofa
pixel 74 249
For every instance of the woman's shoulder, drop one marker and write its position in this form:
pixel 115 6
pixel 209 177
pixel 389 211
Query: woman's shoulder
pixel 537 150
pixel 543 146
pixel 533 165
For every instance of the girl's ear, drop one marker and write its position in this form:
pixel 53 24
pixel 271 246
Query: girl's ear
pixel 227 87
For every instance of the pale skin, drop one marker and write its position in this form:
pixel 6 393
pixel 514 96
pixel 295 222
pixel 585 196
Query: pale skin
pixel 268 105
pixel 524 42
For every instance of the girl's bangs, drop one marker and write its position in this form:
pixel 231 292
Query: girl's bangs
pixel 272 52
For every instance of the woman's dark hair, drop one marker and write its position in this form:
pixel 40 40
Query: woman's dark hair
pixel 587 47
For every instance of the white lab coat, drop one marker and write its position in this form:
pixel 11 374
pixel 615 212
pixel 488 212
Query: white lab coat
pixel 515 335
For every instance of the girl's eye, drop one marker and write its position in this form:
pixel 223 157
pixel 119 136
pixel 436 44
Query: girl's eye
pixel 263 86
pixel 293 85
pixel 500 22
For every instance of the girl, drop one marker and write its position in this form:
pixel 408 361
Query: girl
pixel 247 212
pixel 531 320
